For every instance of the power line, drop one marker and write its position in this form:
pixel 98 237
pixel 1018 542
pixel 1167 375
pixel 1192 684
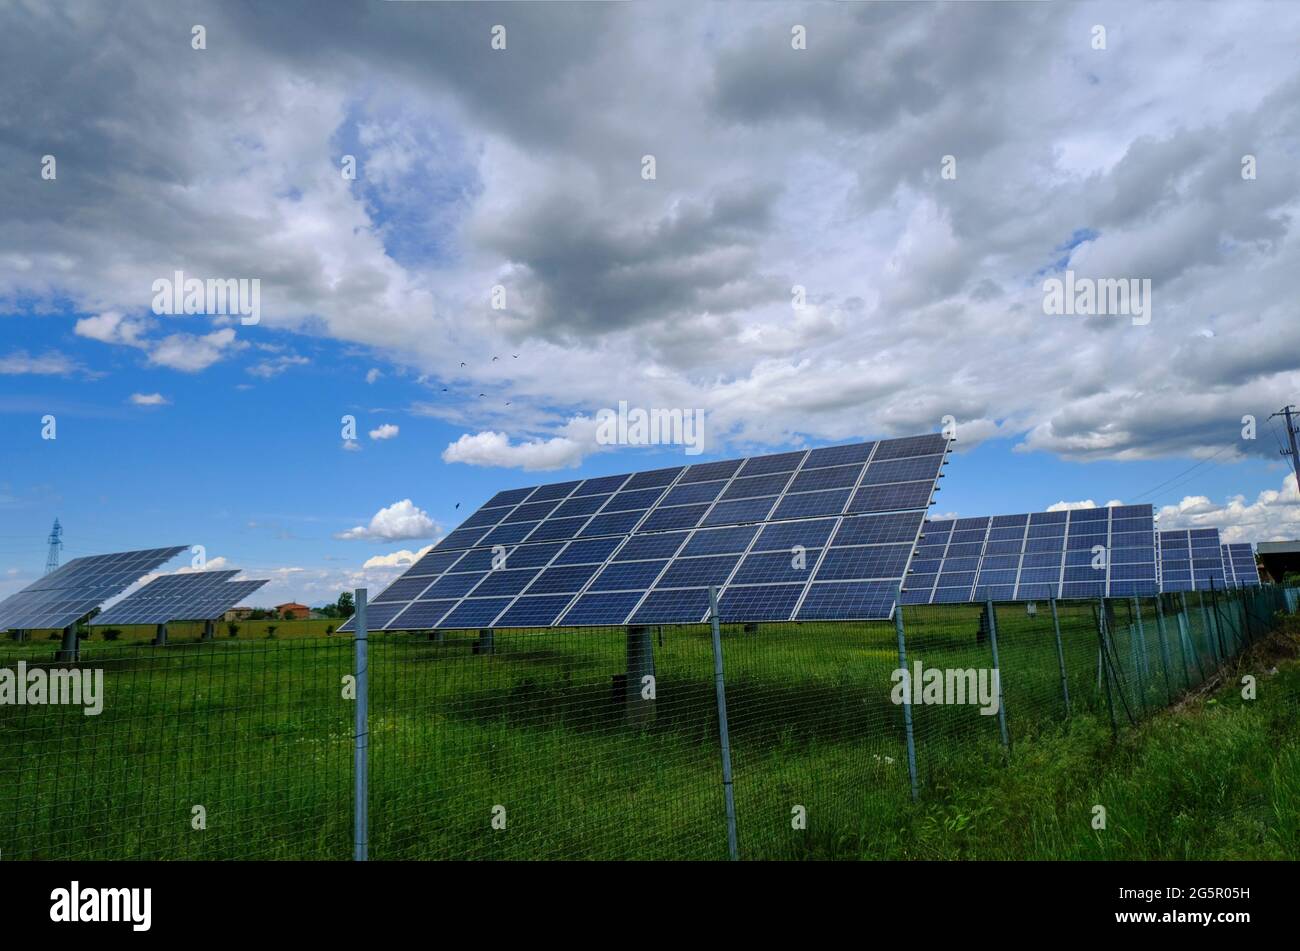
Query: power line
pixel 1179 475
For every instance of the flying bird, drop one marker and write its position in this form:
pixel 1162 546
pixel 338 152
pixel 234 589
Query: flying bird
pixel 481 395
pixel 495 359
pixel 457 505
pixel 515 355
pixel 462 363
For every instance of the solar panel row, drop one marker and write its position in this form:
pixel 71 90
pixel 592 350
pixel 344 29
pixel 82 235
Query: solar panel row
pixel 825 533
pixel 78 587
pixel 1083 553
pixel 1191 560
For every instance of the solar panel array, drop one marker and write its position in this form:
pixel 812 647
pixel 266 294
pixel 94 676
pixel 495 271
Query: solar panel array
pixel 1035 555
pixel 78 587
pixel 811 534
pixel 1239 568
pixel 1191 559
pixel 189 596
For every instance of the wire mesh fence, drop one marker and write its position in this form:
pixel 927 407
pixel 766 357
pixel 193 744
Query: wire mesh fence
pixel 592 743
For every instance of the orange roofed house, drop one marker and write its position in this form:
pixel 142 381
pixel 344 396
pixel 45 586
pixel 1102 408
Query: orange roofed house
pixel 293 611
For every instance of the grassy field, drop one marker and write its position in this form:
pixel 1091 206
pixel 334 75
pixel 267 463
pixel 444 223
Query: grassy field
pixel 258 733
pixel 180 632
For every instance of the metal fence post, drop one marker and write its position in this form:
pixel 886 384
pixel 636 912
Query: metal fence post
pixel 1060 656
pixel 1165 660
pixel 1103 663
pixel 361 790
pixel 1185 629
pixel 993 640
pixel 721 691
pixel 907 693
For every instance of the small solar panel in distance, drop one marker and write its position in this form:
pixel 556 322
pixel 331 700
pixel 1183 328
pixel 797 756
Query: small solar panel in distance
pixel 1239 567
pixel 1191 560
pixel 1083 553
pixel 188 596
pixel 68 593
pixel 762 529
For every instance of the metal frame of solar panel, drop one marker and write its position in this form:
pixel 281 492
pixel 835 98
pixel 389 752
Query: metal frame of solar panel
pixel 74 590
pixel 1035 555
pixel 644 548
pixel 1239 567
pixel 191 596
pixel 1190 559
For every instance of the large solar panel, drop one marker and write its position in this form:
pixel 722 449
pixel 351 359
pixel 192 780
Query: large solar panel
pixel 1239 568
pixel 1035 555
pixel 78 587
pixel 189 596
pixel 805 535
pixel 1191 559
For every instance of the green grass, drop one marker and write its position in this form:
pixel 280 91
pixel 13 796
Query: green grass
pixel 257 731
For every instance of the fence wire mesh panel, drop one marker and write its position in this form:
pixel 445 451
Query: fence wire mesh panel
pixel 819 756
pixel 587 743
pixel 216 750
pixel 548 744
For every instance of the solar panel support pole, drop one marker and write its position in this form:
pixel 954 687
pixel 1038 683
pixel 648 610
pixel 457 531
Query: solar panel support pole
pixel 485 644
pixel 160 635
pixel 993 641
pixel 361 729
pixel 640 708
pixel 209 630
pixel 71 645
pixel 907 691
pixel 720 689
pixel 1060 656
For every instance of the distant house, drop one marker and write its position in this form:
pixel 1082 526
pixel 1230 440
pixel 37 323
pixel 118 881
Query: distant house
pixel 237 614
pixel 293 611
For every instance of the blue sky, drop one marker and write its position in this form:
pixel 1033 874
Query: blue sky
pixel 522 171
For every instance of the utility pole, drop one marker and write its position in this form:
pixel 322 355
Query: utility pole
pixel 1286 412
pixel 56 543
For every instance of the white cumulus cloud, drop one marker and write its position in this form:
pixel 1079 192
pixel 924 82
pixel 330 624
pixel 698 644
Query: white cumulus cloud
pixel 385 431
pixel 397 522
pixel 495 449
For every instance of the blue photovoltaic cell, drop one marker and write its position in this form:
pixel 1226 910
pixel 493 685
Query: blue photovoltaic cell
pixel 756 487
pixel 628 575
pixel 837 477
pixel 572 541
pixel 662 545
pixel 566 580
pixel 783 536
pixel 774 567
pixel 694 493
pixel 759 603
pixel 762 465
pixel 556 490
pixel 553 529
pixel 534 611
pixel 839 455
pixel 812 504
pixel 847 600
pixel 698 572
pixel 709 471
pixel 679 606
pixel 586 505
pixel 587 551
pixel 602 608
pixel 508 581
pixel 719 541
pixel 745 510
pixel 421 614
pixel 475 612
pixel 891 498
pixel 680 516
pixel 654 477
pixel 531 512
